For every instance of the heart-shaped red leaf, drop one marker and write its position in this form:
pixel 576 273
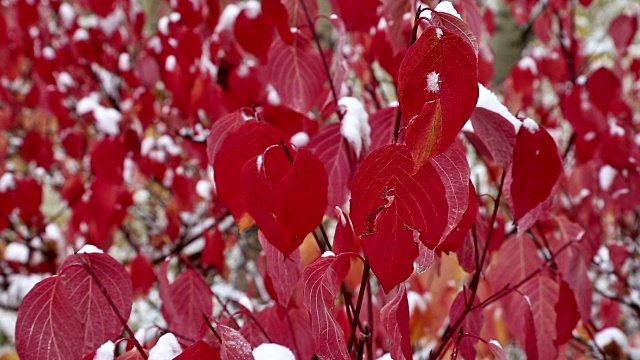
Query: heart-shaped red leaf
pixel 437 90
pixel 389 202
pixel 286 193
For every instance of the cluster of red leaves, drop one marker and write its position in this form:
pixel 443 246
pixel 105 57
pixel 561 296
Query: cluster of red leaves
pixel 125 128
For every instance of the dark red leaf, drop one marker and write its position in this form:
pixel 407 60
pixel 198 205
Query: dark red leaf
pixel 285 273
pixel 219 130
pixel 437 90
pixel 213 252
pixel 604 89
pixel 321 283
pixel 48 325
pixel 536 167
pixel 456 237
pixel 567 314
pixel 357 15
pixel 395 319
pixel 296 72
pixel 389 203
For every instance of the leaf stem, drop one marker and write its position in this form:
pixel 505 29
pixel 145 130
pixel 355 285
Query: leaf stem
pixel 213 330
pixel 356 316
pixel 104 292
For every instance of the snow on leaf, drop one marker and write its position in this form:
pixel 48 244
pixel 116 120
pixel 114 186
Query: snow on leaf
pixel 167 347
pixel 536 167
pixel 355 124
pixel 437 90
pixel 285 273
pixel 497 350
pixel 296 72
pixel 388 203
pixel 48 325
pixel 272 352
pixel 329 146
pixel 93 309
pixel 395 320
pixel 320 287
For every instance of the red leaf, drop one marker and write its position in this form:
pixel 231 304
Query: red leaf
pixel 199 350
pixel 519 319
pixel 213 252
pixel 277 14
pixel 289 327
pixel 330 147
pixel 248 140
pixel 472 323
pixel 142 275
pixel 496 134
pixel 536 167
pixel 219 131
pixel 604 89
pixel 357 15
pixel 622 30
pixel 567 314
pixel 542 292
pixel 453 168
pixel 234 345
pixel 395 319
pixel 295 193
pixel 517 258
pixel 437 90
pixel 573 264
pixel 48 324
pixel 85 295
pixel 456 237
pixel 320 286
pixel 296 11
pixel 254 32
pixel 184 301
pixel 389 203
pixel 382 125
pixel 296 72
pixel 344 239
pixel 285 273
